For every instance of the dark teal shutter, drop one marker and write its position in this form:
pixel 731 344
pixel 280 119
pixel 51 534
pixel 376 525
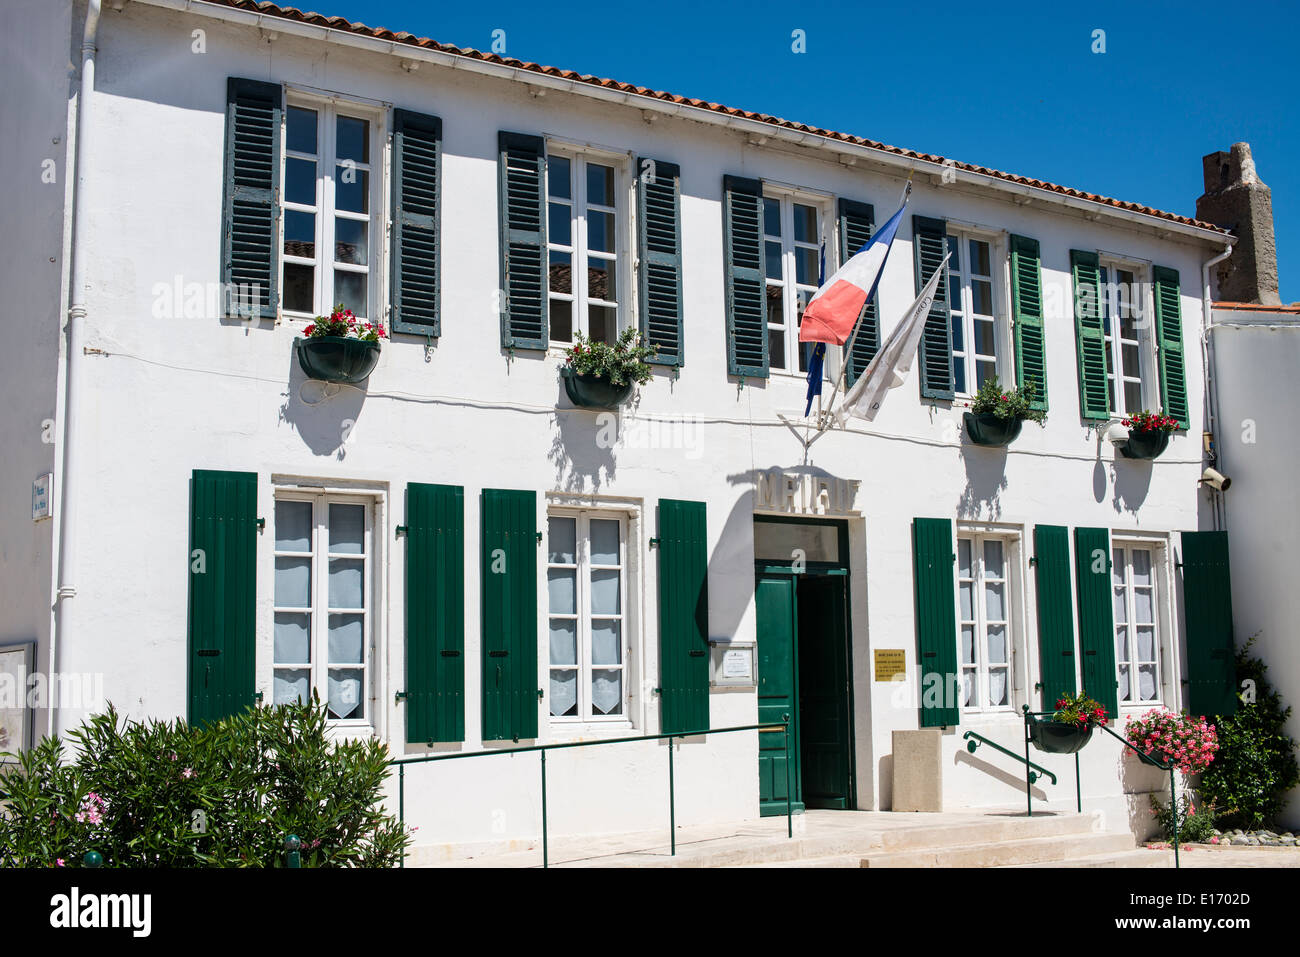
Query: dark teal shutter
pixel 250 256
pixel 742 237
pixel 524 307
pixel 509 570
pixel 930 245
pixel 416 214
pixel 1089 332
pixel 223 593
pixel 1169 343
pixel 659 254
pixel 435 613
pixel 1055 612
pixel 1092 562
pixel 936 621
pixel 683 616
pixel 1027 318
pixel 857 223
pixel 1207 609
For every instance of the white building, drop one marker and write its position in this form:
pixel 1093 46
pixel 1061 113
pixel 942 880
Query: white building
pixel 452 554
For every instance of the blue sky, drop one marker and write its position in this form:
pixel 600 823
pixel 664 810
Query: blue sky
pixel 1019 89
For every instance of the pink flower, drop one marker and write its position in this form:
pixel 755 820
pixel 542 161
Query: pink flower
pixel 58 862
pixel 187 773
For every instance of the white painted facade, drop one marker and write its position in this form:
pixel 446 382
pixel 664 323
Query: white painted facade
pixel 165 391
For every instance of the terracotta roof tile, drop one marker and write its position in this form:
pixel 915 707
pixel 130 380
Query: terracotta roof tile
pixel 339 23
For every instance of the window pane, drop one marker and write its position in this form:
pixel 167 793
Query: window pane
pixel 564 641
pixel 958 335
pixel 561 534
pixel 1147 682
pixel 300 130
pixel 300 181
pixel 600 231
pixel 299 238
pixel 345 693
pixel 353 139
pixel 1133 396
pixel 602 323
pixel 1129 359
pixel 299 287
pixel 293 582
pixel 985 369
pixel 350 241
pixel 600 280
pixel 1146 643
pixel 347 529
pixel 982 296
pixel 997 644
pixel 959 375
pixel 1119 603
pixel 600 185
pixel 560 224
pixel 772 258
pixel 350 289
pixel 352 189
pixel 968 689
pixel 561 272
pixel 805 266
pixel 805 223
pixel 292 638
pixel 776 347
pixel 1121 642
pixel 346 576
pixel 564 693
pixel 998 688
pixel 1141 567
pixel 772 216
pixel 979 258
pixel 562 587
pixel 963 557
pixel 777 541
pixel 605 592
pixel 290 687
pixel 993 605
pixel 557 177
pixel 1124 691
pixel 561 320
pixel 606 642
pixel 954 247
pixel 993 559
pixel 966 598
pixel 292 526
pixel 1144 608
pixel 967 644
pixel 984 338
pixel 604 542
pixel 607 692
pixel 1118 567
pixel 347 639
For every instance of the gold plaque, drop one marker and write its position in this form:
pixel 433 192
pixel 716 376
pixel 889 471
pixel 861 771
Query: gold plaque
pixel 889 663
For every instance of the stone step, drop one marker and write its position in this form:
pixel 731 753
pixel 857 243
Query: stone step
pixel 997 854
pixel 1138 857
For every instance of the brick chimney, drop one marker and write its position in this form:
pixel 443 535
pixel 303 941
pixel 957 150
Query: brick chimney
pixel 1237 200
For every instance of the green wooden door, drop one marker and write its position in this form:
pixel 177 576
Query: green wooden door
pixel 775 607
pixel 822 663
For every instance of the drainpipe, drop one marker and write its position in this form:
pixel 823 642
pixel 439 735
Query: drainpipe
pixel 1211 380
pixel 63 606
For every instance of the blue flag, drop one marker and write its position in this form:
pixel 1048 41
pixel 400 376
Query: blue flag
pixel 817 357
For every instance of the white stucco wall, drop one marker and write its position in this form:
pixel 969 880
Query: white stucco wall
pixel 174 394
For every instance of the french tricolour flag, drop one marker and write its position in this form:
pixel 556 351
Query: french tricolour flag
pixel 834 311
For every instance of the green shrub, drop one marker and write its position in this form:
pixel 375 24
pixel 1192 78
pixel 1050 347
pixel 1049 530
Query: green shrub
pixel 1256 765
pixel 1006 403
pixel 620 363
pixel 1195 825
pixel 165 794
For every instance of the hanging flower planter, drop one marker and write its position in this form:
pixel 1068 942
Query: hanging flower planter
pixel 591 368
pixel 987 429
pixel 996 415
pixel 1059 737
pixel 1148 435
pixel 336 348
pixel 593 392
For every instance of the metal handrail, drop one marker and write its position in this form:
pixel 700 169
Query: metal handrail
pixel 1173 795
pixel 783 726
pixel 980 739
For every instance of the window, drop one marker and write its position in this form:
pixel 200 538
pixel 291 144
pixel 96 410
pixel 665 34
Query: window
pixel 1137 644
pixel 322 603
pixel 792 263
pixel 983 598
pixel 975 334
pixel 330 194
pixel 583 239
pixel 586 581
pixel 1122 325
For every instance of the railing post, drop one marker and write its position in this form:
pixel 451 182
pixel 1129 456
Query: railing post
pixel 789 794
pixel 401 807
pixel 1173 806
pixel 292 854
pixel 672 801
pixel 1029 793
pixel 546 853
pixel 92 859
pixel 1078 788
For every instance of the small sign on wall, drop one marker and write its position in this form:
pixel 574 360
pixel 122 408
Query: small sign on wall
pixel 890 662
pixel 731 664
pixel 41 496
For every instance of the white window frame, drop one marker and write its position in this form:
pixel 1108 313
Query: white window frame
pixel 794 295
pixel 318 619
pixel 578 295
pixel 328 109
pixel 582 519
pixel 1164 627
pixel 1013 578
pixel 1116 374
pixel 963 308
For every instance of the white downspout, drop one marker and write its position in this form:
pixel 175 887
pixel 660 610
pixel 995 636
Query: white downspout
pixel 1210 377
pixel 63 606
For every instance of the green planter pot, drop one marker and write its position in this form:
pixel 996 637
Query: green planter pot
pixel 985 428
pixel 592 392
pixel 1144 445
pixel 1059 737
pixel 337 358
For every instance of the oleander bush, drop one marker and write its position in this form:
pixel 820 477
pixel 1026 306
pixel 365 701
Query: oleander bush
pixel 167 794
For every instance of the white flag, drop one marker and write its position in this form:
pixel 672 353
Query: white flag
pixel 890 366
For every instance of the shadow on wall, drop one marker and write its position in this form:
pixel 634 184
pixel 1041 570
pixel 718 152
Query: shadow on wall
pixel 323 414
pixel 985 480
pixel 1132 479
pixel 1139 783
pixel 583 446
pixel 1012 780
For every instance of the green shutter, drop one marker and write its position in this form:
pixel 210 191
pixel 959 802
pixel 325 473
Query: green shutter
pixel 659 252
pixel 1055 612
pixel 1207 609
pixel 930 245
pixel 416 205
pixel 1027 317
pixel 509 570
pixel 250 261
pixel 857 223
pixel 936 620
pixel 1090 336
pixel 1169 341
pixel 742 236
pixel 524 311
pixel 1092 562
pixel 223 583
pixel 435 613
pixel 683 616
